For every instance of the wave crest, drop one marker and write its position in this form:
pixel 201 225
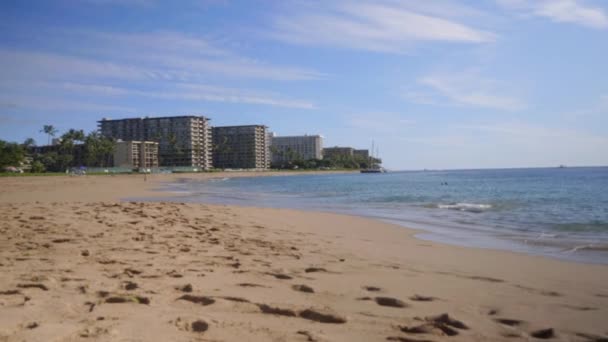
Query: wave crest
pixel 469 207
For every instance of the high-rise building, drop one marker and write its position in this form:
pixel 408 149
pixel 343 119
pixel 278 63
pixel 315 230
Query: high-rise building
pixel 182 140
pixel 361 153
pixel 338 152
pixel 136 154
pixel 241 147
pixel 302 147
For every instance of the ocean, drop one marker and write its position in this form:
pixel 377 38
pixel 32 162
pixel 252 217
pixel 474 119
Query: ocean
pixel 555 212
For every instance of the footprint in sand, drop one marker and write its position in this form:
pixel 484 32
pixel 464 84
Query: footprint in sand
pixel 267 309
pixel 303 288
pixel 372 288
pixel 543 333
pixel 119 299
pixel 280 276
pixel 28 286
pixel 419 298
pixel 197 325
pixel 250 285
pixel 390 302
pixel 439 325
pixel 202 300
pixel 234 299
pixel 129 285
pixel 508 321
pixel 184 288
pixel 321 316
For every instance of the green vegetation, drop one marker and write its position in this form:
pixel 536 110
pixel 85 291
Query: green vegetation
pixel 11 154
pixel 342 162
pixel 74 149
pixel 50 131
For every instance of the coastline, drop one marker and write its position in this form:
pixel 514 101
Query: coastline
pixel 452 230
pixel 48 224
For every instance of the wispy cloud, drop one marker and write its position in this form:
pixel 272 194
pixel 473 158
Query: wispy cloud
pixel 155 65
pixel 151 55
pixel 22 64
pixel 385 26
pixel 466 89
pixel 192 92
pixel 54 103
pixel 563 11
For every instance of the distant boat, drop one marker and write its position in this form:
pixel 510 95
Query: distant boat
pixel 378 170
pixel 373 168
pixel 562 166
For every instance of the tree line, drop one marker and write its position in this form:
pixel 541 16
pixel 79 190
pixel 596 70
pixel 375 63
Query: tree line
pixel 293 160
pixel 74 149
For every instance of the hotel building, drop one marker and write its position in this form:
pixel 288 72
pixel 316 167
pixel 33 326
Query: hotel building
pixel 338 152
pixel 136 154
pixel 301 147
pixel 182 140
pixel 241 147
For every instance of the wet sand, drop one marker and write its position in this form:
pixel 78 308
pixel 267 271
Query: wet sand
pixel 78 264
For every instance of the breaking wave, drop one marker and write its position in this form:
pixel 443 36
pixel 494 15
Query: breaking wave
pixel 469 207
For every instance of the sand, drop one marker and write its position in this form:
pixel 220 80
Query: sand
pixel 76 263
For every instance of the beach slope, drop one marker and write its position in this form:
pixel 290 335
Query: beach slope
pixel 76 263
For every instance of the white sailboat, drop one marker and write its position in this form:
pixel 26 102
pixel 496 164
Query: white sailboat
pixel 373 167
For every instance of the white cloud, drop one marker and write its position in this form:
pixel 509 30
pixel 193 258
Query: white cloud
pixel 185 56
pixel 54 103
pixel 18 65
pixel 171 91
pixel 199 92
pixel 156 65
pixel 562 11
pixel 377 26
pixel 154 55
pixel 467 89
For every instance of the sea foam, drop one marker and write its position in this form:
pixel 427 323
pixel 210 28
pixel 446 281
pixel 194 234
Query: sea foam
pixel 470 207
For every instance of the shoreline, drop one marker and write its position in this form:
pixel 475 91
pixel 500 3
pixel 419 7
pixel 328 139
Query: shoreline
pixel 449 233
pixel 250 271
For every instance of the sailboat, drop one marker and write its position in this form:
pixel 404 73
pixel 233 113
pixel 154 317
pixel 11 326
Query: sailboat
pixel 373 167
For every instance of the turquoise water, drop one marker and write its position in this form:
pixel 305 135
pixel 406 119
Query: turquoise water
pixel 558 212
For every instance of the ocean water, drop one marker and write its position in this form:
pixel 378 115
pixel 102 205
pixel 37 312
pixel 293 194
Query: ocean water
pixel 556 212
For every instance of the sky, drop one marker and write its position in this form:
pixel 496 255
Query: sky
pixel 436 84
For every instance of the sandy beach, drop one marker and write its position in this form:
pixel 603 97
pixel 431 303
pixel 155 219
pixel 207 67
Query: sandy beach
pixel 77 263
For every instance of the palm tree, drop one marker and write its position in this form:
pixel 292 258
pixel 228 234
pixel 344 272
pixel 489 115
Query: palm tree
pixel 49 130
pixel 29 142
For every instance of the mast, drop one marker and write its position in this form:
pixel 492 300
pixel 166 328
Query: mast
pixel 371 157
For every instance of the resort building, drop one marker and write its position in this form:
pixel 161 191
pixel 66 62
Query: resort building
pixel 338 152
pixel 361 153
pixel 182 140
pixel 301 147
pixel 241 147
pixel 136 154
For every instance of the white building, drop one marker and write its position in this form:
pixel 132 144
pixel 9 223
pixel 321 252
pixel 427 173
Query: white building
pixel 136 154
pixel 301 147
pixel 182 140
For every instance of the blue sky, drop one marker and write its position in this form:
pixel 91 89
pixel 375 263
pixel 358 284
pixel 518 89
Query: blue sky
pixel 437 84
